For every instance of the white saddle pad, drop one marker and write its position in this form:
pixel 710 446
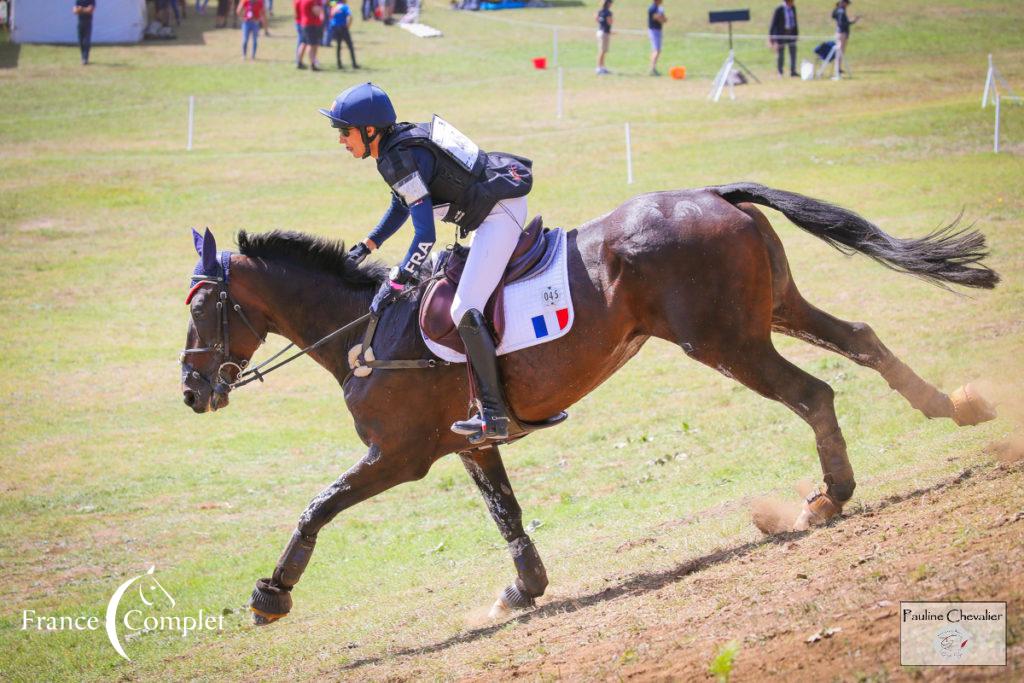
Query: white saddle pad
pixel 537 310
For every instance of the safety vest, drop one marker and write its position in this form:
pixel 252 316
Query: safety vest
pixel 466 178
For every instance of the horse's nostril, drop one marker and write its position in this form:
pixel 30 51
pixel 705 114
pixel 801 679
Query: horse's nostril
pixel 190 398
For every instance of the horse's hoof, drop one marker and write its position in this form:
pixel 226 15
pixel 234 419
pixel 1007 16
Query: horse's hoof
pixel 498 610
pixel 269 603
pixel 510 599
pixel 817 510
pixel 803 520
pixel 970 408
pixel 260 618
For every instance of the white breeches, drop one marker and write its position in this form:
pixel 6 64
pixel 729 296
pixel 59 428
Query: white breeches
pixel 492 246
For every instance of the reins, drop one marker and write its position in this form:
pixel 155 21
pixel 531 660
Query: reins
pixel 244 377
pixel 252 374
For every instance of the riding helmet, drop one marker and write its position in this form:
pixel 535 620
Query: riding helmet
pixel 360 106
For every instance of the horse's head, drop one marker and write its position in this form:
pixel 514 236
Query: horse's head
pixel 222 335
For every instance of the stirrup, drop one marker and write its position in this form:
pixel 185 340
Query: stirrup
pixel 477 429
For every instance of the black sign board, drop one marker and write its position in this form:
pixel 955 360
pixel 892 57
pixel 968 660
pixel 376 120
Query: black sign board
pixel 728 15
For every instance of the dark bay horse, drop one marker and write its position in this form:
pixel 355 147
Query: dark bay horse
pixel 702 269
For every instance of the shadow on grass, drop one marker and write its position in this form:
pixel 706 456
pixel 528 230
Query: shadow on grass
pixel 9 53
pixel 652 581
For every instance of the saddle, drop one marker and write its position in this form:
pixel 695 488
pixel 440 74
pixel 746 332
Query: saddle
pixel 535 251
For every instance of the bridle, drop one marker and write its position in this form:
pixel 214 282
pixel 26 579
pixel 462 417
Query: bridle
pixel 220 384
pixel 221 347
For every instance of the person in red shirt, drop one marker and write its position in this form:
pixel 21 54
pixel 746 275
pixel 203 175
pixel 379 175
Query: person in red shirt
pixel 252 15
pixel 311 19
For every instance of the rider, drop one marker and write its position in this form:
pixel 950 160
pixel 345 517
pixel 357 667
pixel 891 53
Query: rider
pixel 435 172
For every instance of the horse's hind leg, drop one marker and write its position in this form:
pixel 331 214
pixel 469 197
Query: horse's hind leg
pixel 488 473
pixel 760 367
pixel 792 315
pixel 858 342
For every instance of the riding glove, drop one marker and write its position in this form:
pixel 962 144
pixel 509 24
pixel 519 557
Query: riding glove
pixel 392 288
pixel 357 254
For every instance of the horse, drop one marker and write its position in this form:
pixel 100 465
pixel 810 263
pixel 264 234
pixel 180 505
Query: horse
pixel 703 269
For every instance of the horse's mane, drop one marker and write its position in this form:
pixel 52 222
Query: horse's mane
pixel 318 253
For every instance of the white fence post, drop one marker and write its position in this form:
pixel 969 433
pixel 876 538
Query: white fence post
pixel 988 83
pixel 629 157
pixel 554 56
pixel 191 119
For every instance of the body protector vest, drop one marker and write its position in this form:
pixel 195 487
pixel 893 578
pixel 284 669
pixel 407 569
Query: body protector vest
pixel 466 178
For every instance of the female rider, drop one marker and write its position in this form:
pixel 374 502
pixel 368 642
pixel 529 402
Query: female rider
pixel 435 172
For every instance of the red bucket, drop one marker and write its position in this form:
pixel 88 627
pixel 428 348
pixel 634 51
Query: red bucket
pixel 540 62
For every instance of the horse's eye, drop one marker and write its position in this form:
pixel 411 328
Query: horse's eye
pixel 197 310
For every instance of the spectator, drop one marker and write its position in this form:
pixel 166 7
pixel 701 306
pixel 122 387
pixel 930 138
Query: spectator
pixel 783 33
pixel 297 6
pixel 253 16
pixel 341 22
pixel 178 15
pixel 84 9
pixel 222 14
pixel 367 10
pixel 604 34
pixel 201 6
pixel 843 24
pixel 311 17
pixel 655 19
pixel 4 21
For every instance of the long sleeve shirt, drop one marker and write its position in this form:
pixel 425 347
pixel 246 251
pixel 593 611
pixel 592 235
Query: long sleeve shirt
pixel 422 212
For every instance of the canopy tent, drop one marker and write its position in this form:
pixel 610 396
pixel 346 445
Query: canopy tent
pixel 52 21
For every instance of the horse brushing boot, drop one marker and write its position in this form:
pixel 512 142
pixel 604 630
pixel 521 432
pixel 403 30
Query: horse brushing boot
pixel 491 424
pixel 272 598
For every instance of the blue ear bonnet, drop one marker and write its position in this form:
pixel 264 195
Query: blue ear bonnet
pixel 212 264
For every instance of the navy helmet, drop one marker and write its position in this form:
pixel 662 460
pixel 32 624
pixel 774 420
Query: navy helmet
pixel 360 106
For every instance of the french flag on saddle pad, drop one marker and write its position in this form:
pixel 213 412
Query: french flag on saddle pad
pixel 550 322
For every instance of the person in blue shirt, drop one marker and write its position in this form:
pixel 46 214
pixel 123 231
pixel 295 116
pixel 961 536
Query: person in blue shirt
pixel 338 30
pixel 655 20
pixel 84 10
pixel 437 173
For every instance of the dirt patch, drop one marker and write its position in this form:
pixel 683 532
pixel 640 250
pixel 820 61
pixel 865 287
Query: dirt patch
pixel 762 602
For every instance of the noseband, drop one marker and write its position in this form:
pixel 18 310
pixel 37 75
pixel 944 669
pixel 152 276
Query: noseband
pixel 221 348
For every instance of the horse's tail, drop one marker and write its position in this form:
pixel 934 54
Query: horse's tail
pixel 947 255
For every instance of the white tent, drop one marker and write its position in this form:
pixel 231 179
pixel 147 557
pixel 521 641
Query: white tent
pixel 52 21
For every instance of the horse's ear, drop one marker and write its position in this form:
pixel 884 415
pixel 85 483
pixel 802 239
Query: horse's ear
pixel 197 240
pixel 209 253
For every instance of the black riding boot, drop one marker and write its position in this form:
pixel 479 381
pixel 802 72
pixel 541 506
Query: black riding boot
pixel 492 423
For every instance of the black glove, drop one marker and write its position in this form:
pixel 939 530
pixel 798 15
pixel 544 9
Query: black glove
pixel 357 254
pixel 392 288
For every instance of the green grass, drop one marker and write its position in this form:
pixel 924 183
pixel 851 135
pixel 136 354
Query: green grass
pixel 105 472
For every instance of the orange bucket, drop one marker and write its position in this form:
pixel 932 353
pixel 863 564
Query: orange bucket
pixel 540 62
pixel 678 72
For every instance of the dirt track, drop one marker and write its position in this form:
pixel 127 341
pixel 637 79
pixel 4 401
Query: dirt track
pixel 961 538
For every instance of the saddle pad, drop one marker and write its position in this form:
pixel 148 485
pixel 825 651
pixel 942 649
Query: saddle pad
pixel 537 310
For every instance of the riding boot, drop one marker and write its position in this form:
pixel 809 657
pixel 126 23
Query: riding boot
pixel 492 422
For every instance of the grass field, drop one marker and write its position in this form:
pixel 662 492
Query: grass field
pixel 105 472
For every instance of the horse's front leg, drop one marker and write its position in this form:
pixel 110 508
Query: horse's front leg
pixel 488 472
pixel 374 473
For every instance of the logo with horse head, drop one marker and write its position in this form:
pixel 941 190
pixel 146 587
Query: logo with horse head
pixel 150 593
